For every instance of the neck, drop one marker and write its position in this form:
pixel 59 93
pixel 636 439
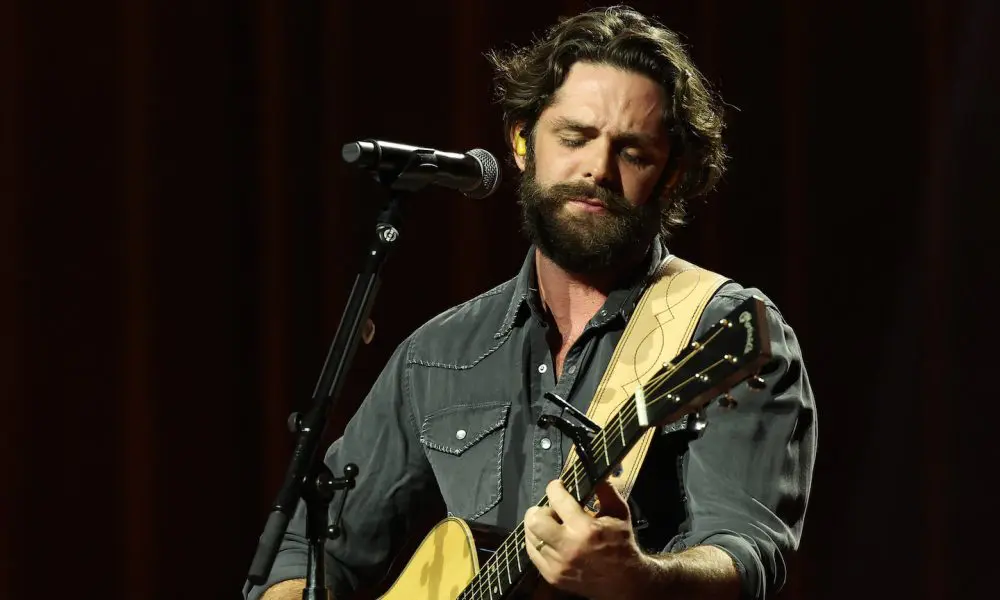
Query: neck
pixel 572 299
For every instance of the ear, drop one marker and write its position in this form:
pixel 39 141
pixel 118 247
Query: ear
pixel 519 144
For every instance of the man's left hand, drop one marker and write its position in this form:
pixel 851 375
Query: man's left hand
pixel 595 557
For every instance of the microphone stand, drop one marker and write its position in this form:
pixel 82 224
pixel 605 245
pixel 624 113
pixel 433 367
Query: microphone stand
pixel 308 477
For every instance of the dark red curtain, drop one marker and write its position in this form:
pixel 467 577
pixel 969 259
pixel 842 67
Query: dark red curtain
pixel 178 236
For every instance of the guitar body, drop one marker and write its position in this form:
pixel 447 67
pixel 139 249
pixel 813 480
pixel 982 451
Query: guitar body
pixel 441 567
pixel 448 558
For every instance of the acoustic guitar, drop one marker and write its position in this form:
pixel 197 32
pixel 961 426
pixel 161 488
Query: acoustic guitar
pixel 463 561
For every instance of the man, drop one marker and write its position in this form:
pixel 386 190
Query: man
pixel 613 129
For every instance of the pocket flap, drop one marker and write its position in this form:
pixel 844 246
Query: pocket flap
pixel 455 429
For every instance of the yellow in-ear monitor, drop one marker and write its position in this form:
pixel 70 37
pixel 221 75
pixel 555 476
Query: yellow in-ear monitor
pixel 521 146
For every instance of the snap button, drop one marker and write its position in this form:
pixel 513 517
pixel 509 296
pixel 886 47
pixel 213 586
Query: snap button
pixel 542 368
pixel 460 434
pixel 571 369
pixel 546 443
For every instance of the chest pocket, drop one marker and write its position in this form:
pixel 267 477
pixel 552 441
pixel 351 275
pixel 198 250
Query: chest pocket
pixel 464 445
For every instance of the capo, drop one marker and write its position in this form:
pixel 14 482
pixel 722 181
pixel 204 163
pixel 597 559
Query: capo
pixel 592 427
pixel 581 434
pixel 581 439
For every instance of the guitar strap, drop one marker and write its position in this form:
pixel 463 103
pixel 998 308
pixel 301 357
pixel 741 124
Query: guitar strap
pixel 662 324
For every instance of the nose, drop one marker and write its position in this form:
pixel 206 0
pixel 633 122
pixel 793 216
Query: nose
pixel 601 168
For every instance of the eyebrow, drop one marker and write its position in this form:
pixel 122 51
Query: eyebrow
pixel 629 137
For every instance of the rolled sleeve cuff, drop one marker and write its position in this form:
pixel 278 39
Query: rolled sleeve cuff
pixel 745 555
pixel 287 565
pixel 291 564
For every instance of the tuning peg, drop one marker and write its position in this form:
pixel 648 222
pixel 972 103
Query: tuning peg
pixel 696 422
pixel 756 383
pixel 727 401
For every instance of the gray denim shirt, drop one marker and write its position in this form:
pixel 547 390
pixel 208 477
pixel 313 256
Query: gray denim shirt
pixel 454 414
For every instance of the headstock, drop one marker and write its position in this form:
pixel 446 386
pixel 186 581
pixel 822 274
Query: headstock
pixel 732 350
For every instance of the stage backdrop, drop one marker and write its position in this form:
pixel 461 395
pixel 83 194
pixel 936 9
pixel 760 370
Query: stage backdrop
pixel 178 235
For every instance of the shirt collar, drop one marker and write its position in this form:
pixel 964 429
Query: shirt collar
pixel 621 302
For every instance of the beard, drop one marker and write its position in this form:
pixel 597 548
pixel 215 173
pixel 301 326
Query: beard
pixel 585 242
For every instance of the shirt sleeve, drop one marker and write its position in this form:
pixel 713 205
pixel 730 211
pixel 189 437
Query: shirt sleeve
pixel 747 477
pixel 394 476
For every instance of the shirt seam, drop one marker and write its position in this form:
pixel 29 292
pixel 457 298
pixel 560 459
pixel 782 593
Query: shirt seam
pixel 410 360
pixel 407 391
pixel 499 492
pixel 499 423
pixel 458 367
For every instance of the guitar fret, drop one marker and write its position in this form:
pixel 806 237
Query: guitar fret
pixel 620 429
pixel 604 440
pixel 506 560
pixel 499 579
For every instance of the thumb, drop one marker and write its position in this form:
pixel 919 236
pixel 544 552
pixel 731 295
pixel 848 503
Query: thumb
pixel 612 503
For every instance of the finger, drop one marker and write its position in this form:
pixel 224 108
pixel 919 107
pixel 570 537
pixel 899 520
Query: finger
pixel 565 506
pixel 539 557
pixel 542 511
pixel 542 524
pixel 612 503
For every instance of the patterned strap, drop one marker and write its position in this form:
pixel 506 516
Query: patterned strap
pixel 663 323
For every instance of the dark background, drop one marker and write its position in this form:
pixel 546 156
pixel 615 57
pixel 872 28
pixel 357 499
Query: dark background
pixel 178 236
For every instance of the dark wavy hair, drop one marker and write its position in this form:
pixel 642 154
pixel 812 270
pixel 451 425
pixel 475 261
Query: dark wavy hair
pixel 527 78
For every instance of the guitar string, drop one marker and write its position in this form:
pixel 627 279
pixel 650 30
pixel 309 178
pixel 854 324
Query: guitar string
pixel 576 469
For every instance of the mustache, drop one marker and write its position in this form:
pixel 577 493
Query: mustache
pixel 612 201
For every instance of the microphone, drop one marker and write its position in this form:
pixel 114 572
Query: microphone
pixel 475 173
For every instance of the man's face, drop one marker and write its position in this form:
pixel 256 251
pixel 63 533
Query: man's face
pixel 600 149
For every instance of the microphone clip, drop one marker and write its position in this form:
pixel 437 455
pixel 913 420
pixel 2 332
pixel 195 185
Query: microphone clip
pixel 418 172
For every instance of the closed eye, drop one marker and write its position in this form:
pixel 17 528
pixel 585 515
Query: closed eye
pixel 636 159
